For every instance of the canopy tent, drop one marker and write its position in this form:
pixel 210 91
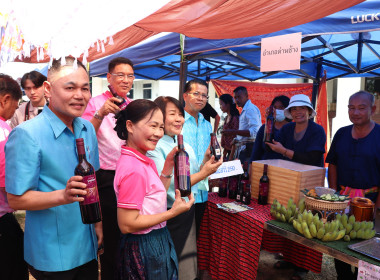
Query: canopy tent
pixel 209 19
pixel 346 44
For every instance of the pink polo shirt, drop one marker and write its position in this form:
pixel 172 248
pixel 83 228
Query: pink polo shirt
pixel 138 186
pixel 108 142
pixel 4 132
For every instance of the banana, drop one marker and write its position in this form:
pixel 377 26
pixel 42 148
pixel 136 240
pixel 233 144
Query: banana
pixel 299 228
pixel 278 216
pixel 351 219
pixel 333 226
pixel 359 234
pixel 309 218
pixel 283 219
pixel 341 226
pixel 346 238
pixel 306 231
pixel 334 235
pixel 338 217
pixel 283 210
pixel 356 226
pixel 353 234
pixel 291 220
pixel 372 234
pixel 341 234
pixel 290 202
pixel 370 225
pixel 344 220
pixel 288 214
pixel 327 227
pixel 301 205
pixel 321 233
pixel 349 228
pixel 366 234
pixel 313 230
pixel 363 225
pixel 315 219
pixel 327 237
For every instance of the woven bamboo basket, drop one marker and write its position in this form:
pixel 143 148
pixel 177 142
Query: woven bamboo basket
pixel 326 208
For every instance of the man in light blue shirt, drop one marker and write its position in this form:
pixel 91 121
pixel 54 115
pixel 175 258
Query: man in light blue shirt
pixel 40 161
pixel 196 132
pixel 249 122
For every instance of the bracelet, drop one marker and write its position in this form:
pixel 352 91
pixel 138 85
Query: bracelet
pixel 284 154
pixel 97 116
pixel 166 176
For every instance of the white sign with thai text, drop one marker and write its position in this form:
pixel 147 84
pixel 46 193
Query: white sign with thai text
pixel 367 271
pixel 227 169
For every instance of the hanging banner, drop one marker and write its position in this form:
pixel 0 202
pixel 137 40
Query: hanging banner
pixel 281 53
pixel 262 94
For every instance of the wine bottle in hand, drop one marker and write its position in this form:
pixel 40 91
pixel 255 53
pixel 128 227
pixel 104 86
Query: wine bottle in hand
pixel 90 207
pixel 182 169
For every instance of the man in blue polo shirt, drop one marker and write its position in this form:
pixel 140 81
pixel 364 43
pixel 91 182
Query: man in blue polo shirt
pixel 196 132
pixel 40 161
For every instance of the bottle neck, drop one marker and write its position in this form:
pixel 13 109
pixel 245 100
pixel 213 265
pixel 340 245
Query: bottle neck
pixel 265 169
pixel 81 151
pixel 180 142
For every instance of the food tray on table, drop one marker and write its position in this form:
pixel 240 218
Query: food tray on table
pixel 370 248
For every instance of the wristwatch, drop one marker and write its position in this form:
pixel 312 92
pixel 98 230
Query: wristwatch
pixel 166 176
pixel 97 116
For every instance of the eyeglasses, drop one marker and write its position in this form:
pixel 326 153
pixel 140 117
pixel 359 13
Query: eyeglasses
pixel 121 76
pixel 197 95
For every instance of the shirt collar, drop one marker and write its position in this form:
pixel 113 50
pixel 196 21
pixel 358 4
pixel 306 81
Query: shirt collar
pixel 58 126
pixel 169 139
pixel 246 104
pixel 188 116
pixel 125 150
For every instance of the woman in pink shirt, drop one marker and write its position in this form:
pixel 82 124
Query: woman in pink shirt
pixel 146 250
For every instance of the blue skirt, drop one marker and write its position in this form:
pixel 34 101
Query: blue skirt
pixel 148 256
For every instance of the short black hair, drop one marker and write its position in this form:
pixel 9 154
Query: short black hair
pixel 36 77
pixel 118 60
pixel 189 84
pixel 9 86
pixel 241 89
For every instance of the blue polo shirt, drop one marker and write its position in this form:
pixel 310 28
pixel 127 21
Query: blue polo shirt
pixel 41 156
pixel 357 160
pixel 313 140
pixel 198 137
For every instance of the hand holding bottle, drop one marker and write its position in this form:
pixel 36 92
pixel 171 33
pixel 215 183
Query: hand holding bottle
pixel 74 191
pixel 180 205
pixel 211 166
pixel 110 106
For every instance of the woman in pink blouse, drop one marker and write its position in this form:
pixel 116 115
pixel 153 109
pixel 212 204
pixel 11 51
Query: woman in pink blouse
pixel 146 250
pixel 227 105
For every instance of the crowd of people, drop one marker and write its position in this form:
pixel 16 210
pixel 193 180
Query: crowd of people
pixel 148 231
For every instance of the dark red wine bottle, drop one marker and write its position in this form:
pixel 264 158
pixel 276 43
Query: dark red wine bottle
pixel 123 103
pixel 246 185
pixel 233 182
pixel 244 179
pixel 182 169
pixel 269 126
pixel 223 183
pixel 90 207
pixel 264 187
pixel 216 151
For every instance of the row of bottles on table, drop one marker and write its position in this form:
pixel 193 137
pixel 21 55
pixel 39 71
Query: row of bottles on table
pixel 238 187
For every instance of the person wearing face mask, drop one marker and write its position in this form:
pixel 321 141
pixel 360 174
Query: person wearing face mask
pixel 259 151
pixel 302 140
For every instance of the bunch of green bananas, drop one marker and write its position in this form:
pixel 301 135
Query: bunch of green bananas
pixel 355 230
pixel 345 227
pixel 289 213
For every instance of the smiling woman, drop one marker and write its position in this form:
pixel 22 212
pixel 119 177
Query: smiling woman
pixel 141 197
pixel 302 140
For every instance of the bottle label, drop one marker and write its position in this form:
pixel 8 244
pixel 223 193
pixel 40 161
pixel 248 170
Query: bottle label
pixel 92 195
pixel 217 152
pixel 244 198
pixel 264 189
pixel 183 165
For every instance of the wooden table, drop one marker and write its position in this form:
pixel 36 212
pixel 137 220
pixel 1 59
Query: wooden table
pixel 312 244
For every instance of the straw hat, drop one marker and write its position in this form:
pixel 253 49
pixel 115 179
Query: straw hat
pixel 299 100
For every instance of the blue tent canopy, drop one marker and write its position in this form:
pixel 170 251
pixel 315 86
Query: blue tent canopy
pixel 346 44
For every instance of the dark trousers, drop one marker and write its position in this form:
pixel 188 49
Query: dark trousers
pixel 343 270
pixel 111 232
pixel 88 271
pixel 199 211
pixel 12 264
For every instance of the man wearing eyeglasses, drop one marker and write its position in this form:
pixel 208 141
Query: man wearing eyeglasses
pixel 196 132
pixel 100 112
